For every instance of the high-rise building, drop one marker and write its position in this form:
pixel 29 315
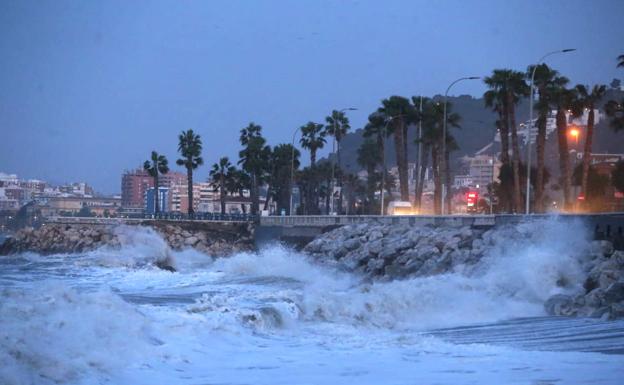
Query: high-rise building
pixel 163 200
pixel 134 184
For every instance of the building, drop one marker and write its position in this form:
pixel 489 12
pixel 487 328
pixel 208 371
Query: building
pixel 482 170
pixel 72 205
pixel 134 184
pixel 163 200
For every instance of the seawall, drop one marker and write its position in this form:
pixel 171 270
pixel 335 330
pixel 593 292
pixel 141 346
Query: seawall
pixel 67 236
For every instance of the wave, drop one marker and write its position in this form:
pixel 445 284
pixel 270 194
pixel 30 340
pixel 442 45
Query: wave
pixel 535 261
pixel 48 334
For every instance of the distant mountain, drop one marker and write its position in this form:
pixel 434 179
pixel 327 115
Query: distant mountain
pixel 477 130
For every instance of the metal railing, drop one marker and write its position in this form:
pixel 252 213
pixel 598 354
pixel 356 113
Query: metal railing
pixel 173 217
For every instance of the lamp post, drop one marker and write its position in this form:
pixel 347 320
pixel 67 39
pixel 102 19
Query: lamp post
pixel 331 197
pixel 528 183
pixel 443 158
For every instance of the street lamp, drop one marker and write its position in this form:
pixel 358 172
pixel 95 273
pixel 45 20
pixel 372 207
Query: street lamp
pixel 574 132
pixel 443 159
pixel 331 197
pixel 528 183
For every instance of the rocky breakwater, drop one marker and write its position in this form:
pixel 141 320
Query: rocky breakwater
pixel 214 239
pixel 585 277
pixel 398 251
pixel 602 294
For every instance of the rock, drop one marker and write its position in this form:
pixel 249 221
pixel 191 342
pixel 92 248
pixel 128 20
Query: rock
pixel 601 248
pixel 191 241
pixel 559 304
pixel 615 292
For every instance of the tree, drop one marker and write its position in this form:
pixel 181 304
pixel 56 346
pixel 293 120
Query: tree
pixel 588 98
pixel 544 77
pixel 313 139
pixel 190 147
pixel 85 211
pixel 615 110
pixel 254 159
pixel 620 61
pixel 507 87
pixel 369 158
pixel 432 122
pixel 617 176
pixel 155 166
pixel 278 177
pixel 238 182
pixel 221 174
pixel 375 131
pixel 401 113
pixel 338 126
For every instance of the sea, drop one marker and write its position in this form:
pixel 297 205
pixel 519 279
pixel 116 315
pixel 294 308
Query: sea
pixel 276 316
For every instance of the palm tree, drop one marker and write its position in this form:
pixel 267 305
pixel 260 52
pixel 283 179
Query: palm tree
pixel 620 61
pixel 190 147
pixel 254 158
pixel 338 126
pixel 432 121
pixel 401 111
pixel 369 157
pixel 237 183
pixel 544 77
pixel 615 111
pixel 313 139
pixel 376 129
pixel 507 87
pixel 221 174
pixel 278 175
pixel 156 165
pixel 588 99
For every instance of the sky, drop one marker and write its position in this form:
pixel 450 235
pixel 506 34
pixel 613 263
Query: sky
pixel 88 89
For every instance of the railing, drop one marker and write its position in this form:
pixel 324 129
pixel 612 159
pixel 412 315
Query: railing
pixel 459 220
pixel 200 217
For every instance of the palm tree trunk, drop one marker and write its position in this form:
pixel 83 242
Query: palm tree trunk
pixel 539 178
pixel 327 196
pixel 421 180
pixel 370 189
pixel 516 195
pixel 268 197
pixel 437 192
pixel 156 200
pixel 189 181
pixel 400 157
pixel 503 130
pixel 339 210
pixel 241 195
pixel 564 161
pixel 312 157
pixel 587 151
pixel 255 203
pixel 222 191
pixel 447 177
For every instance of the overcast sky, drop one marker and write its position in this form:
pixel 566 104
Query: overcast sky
pixel 88 89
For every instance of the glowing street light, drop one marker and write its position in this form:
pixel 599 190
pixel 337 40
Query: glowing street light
pixel 574 132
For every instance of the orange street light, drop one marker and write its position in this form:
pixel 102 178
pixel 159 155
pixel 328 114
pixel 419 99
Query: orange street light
pixel 574 132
